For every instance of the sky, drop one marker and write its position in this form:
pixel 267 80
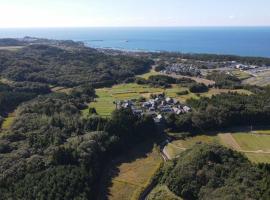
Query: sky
pixel 126 13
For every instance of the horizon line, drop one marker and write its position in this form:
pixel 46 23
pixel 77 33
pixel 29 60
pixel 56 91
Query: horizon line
pixel 195 26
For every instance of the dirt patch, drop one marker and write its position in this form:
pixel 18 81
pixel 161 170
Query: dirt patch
pixel 228 140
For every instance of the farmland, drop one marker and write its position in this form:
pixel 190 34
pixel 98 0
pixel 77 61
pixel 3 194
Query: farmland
pixel 242 75
pixel 254 145
pixel 253 142
pixel 133 172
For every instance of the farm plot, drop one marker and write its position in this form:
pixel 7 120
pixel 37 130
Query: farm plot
pixel 134 174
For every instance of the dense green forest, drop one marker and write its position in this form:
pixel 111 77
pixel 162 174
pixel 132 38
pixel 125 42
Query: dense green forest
pixel 164 81
pixel 51 152
pixel 223 111
pixel 12 95
pixel 214 172
pixel 69 67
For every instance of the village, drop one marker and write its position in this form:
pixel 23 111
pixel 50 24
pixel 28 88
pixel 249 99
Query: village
pixel 202 68
pixel 158 107
pixel 182 69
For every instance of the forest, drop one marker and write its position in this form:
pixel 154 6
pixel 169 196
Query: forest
pixel 223 111
pixel 64 67
pixel 215 172
pixel 51 152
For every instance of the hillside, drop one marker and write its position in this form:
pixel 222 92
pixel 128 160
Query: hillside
pixel 81 123
pixel 214 172
pixel 73 66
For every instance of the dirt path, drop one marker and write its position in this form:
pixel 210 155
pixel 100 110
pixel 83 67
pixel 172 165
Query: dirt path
pixel 258 152
pixel 165 155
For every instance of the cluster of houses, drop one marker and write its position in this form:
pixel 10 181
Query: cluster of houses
pixel 182 69
pixel 156 107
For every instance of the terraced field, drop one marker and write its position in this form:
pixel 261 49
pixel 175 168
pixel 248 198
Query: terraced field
pixel 134 173
pixel 256 146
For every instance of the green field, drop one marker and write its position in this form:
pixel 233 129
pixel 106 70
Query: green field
pixel 255 146
pixel 8 121
pixel 241 74
pixel 253 142
pixel 258 157
pixel 147 75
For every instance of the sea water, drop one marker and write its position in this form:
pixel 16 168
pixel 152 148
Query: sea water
pixel 244 41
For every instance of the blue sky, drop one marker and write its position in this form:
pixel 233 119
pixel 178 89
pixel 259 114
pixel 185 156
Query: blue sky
pixel 85 13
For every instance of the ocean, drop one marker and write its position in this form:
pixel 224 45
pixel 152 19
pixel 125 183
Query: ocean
pixel 244 41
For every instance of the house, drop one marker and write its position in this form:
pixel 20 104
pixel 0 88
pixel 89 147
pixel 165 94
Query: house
pixel 158 119
pixel 169 100
pixel 186 108
pixel 177 111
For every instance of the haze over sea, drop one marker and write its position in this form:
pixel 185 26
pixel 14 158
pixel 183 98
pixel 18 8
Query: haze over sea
pixel 244 41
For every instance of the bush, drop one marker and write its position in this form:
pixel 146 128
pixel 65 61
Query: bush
pixel 92 111
pixel 198 88
pixel 185 92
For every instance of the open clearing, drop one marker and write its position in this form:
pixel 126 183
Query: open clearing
pixel 242 75
pixel 151 73
pixel 11 48
pixel 134 173
pixel 8 121
pixel 256 146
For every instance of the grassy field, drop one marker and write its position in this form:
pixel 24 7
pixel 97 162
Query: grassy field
pixel 134 173
pixel 8 121
pixel 255 146
pixel 258 157
pixel 151 73
pixel 252 142
pixel 241 74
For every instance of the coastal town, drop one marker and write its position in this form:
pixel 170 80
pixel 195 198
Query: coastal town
pixel 197 68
